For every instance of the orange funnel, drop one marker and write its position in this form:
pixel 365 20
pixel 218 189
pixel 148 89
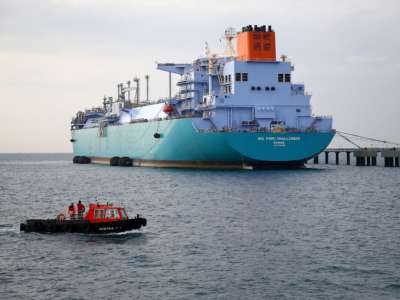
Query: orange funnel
pixel 256 44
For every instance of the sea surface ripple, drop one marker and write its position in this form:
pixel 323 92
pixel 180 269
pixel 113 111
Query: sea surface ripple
pixel 324 232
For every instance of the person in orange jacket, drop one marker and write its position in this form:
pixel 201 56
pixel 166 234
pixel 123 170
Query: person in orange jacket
pixel 71 211
pixel 81 209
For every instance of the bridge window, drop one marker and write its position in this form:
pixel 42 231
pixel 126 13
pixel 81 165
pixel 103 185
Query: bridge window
pixel 99 213
pixel 280 77
pixel 244 76
pixel 123 214
pixel 238 76
pixel 227 89
pixel 229 78
pixel 112 213
pixel 287 77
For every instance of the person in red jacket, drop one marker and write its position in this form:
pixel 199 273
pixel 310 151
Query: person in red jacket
pixel 81 209
pixel 71 211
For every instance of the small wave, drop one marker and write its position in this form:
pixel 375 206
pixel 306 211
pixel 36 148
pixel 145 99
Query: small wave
pixel 9 228
pixel 393 286
pixel 348 269
pixel 5 225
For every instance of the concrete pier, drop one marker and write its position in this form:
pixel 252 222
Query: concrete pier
pixel 360 161
pixel 391 157
pixel 364 156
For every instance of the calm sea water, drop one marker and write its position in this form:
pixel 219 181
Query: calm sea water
pixel 321 233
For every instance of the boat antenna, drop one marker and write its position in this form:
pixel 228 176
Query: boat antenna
pixel 147 87
pixel 207 50
pixel 137 95
pixel 229 35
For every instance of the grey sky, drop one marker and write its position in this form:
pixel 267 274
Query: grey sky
pixel 57 57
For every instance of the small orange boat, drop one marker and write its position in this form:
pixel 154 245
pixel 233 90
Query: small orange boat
pixel 100 218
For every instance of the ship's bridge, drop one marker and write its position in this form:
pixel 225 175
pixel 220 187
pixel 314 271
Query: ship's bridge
pixel 249 90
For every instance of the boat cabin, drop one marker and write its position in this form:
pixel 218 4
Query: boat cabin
pixel 105 213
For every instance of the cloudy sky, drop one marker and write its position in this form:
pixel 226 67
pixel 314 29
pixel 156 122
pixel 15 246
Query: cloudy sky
pixel 59 56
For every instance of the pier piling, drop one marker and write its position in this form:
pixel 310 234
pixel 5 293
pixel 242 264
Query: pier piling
pixel 360 161
pixel 391 157
pixel 364 156
pixel 389 162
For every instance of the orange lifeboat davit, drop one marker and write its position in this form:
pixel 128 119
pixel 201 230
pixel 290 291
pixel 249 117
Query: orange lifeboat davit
pixel 168 108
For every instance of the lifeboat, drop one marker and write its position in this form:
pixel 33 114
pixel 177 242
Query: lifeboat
pixel 100 218
pixel 168 108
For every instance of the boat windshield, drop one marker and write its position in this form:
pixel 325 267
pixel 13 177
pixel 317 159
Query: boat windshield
pixel 112 213
pixel 123 214
pixel 99 213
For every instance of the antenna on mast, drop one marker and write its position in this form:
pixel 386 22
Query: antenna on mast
pixel 229 35
pixel 207 50
pixel 136 80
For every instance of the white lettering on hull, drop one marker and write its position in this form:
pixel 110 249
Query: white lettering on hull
pixel 279 141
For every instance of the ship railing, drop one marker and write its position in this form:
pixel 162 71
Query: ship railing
pixel 322 116
pixel 76 216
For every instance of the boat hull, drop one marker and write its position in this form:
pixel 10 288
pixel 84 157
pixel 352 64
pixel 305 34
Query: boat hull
pixel 81 226
pixel 180 144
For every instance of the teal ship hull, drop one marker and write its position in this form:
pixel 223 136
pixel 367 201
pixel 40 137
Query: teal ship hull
pixel 180 144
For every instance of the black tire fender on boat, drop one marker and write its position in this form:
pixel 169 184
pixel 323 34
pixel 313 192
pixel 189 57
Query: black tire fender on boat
pixel 75 160
pixel 83 160
pixel 125 161
pixel 121 161
pixel 114 161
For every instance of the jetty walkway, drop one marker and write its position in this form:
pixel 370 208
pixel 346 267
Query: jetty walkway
pixel 364 156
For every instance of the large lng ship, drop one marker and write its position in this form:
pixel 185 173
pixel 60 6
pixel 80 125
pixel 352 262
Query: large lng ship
pixel 237 110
